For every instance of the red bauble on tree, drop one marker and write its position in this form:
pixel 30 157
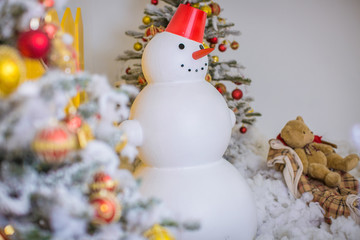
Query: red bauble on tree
pixel 52 144
pixel 47 3
pixel 222 47
pixel 107 207
pixel 213 40
pixel 234 45
pixel 221 88
pixel 243 129
pixel 33 44
pixel 215 8
pixel 103 181
pixel 237 94
pixel 128 70
pixel 155 2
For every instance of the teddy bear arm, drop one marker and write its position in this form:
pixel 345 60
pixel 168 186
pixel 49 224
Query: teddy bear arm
pixel 325 148
pixel 302 155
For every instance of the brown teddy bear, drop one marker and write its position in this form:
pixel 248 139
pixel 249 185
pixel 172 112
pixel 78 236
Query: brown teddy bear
pixel 317 158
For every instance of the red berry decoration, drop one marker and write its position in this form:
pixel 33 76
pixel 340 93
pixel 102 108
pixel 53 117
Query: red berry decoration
pixel 213 40
pixel 234 45
pixel 47 3
pixel 128 70
pixel 50 29
pixel 215 8
pixel 155 2
pixel 221 88
pixel 237 94
pixel 222 47
pixel 243 129
pixel 187 3
pixel 33 44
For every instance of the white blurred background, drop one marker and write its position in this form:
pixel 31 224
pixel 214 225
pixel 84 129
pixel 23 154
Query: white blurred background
pixel 302 55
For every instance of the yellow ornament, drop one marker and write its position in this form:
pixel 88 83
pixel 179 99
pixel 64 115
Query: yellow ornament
pixel 251 111
pixel 12 70
pixel 34 68
pixel 195 5
pixel 205 45
pixel 208 77
pixel 62 56
pixel 215 59
pixel 147 20
pixel 138 46
pixel 206 9
pixel 158 232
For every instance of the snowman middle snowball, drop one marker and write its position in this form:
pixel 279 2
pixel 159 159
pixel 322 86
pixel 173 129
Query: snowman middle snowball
pixel 185 121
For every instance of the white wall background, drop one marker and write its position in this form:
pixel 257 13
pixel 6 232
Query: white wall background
pixel 302 55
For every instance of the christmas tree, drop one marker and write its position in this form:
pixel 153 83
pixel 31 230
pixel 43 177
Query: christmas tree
pixel 60 141
pixel 222 74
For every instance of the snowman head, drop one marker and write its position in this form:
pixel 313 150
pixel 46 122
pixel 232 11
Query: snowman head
pixel 178 54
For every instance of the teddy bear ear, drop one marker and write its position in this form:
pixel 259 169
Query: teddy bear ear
pixel 300 118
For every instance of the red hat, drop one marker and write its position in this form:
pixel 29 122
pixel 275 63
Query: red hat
pixel 188 22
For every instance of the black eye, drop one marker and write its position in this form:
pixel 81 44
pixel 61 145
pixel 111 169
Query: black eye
pixel 201 46
pixel 181 46
pixel 304 132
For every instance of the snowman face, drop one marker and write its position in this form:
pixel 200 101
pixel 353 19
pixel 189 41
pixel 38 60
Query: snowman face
pixel 169 58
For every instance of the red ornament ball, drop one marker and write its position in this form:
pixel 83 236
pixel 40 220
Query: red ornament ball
pixel 222 47
pixel 213 40
pixel 221 88
pixel 128 70
pixel 73 123
pixel 243 129
pixel 103 181
pixel 215 8
pixel 234 45
pixel 107 207
pixel 187 3
pixel 237 94
pixel 33 44
pixel 50 29
pixel 47 3
pixel 155 2
pixel 52 144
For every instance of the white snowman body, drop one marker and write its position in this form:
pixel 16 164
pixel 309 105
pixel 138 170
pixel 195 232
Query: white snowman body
pixel 185 127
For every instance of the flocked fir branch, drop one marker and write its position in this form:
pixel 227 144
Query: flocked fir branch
pixel 216 34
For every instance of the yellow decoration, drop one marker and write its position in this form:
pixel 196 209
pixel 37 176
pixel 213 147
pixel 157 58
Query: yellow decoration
pixel 123 141
pixel 84 135
pixel 68 24
pixel 205 45
pixel 62 56
pixel 12 70
pixel 34 68
pixel 215 59
pixel 73 104
pixel 146 20
pixel 138 46
pixel 9 230
pixel 206 9
pixel 79 39
pixel 195 5
pixel 208 77
pixel 158 232
pixel 52 17
pixel 251 111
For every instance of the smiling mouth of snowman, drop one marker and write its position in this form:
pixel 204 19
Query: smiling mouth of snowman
pixel 196 69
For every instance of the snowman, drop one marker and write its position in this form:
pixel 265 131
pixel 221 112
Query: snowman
pixel 182 126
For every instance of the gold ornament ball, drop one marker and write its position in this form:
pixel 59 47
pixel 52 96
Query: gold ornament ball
pixel 158 232
pixel 215 59
pixel 12 70
pixel 146 20
pixel 208 77
pixel 206 9
pixel 138 46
